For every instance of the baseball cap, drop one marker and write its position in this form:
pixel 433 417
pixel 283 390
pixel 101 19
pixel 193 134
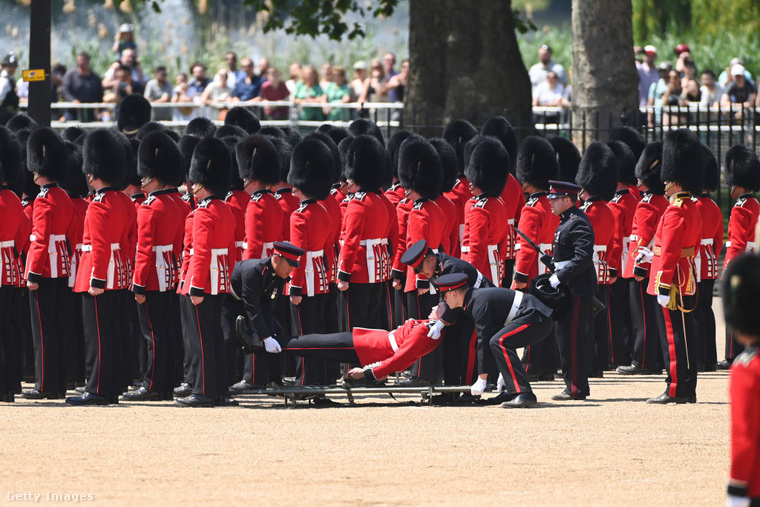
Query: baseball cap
pixel 650 49
pixel 681 48
pixel 10 59
pixel 546 47
pixel 360 65
pixel 126 28
pixel 737 69
pixel 665 66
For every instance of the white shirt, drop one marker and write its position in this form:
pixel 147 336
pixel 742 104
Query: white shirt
pixel 6 84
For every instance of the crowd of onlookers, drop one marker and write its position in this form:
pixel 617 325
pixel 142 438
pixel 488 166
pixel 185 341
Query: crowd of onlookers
pixel 235 81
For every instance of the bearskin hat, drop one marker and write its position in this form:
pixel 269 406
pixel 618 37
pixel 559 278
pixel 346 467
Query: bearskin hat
pixel 419 167
pixel 448 162
pixel 536 162
pixel 272 131
pixel 488 168
pixel 10 156
pixel 106 157
pixel 394 143
pixel 158 157
pixel 132 177
pixel 741 294
pixel 367 162
pixel 148 127
pixel 631 137
pixel 457 133
pixel 21 121
pixel 236 180
pixel 293 136
pixel 325 138
pixel 343 147
pixel 568 158
pixel 200 127
pixel 46 154
pixel 75 183
pixel 500 128
pixel 243 118
pixel 210 166
pixel 338 133
pixel 683 160
pixel 312 168
pixel 598 171
pixel 186 146
pixel 134 112
pixel 742 168
pixel 363 126
pixel 712 173
pixel 230 131
pixel 257 159
pixel 72 133
pixel 648 168
pixel 284 152
pixel 626 162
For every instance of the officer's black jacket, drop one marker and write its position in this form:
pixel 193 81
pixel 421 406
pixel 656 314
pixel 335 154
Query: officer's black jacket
pixel 574 242
pixel 448 265
pixel 256 283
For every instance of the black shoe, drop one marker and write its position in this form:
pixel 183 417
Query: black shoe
pixel 664 399
pixel 691 398
pixel 195 400
pixel 568 396
pixel 466 399
pixel 709 367
pixel 522 400
pixel 244 387
pixel 288 381
pixel 596 374
pixel 413 382
pixel 182 390
pixel 723 365
pixel 634 369
pixel 546 377
pixel 167 396
pixel 80 389
pixel 142 394
pixel 444 399
pixel 34 394
pixel 88 399
pixel 225 401
pixel 322 401
pixel 8 397
pixel 498 399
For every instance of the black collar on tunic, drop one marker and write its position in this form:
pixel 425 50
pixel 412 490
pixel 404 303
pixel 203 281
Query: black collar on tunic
pixel 50 185
pixel 105 189
pixel 536 195
pixel 163 191
pixel 623 191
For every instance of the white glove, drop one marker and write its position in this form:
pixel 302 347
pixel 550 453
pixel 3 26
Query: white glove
pixel 271 345
pixel 644 255
pixel 435 331
pixel 663 300
pixel 500 385
pixel 737 501
pixel 554 281
pixel 479 387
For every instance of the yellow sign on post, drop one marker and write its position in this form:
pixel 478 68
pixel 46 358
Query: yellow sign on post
pixel 33 75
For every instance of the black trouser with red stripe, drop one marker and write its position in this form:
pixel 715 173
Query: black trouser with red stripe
pixel 312 316
pixel 101 341
pixel 573 330
pixel 46 305
pixel 156 329
pixel 621 336
pixel 460 352
pixel 599 347
pixel 524 330
pixel 678 334
pixel 204 337
pixel 333 347
pixel 74 339
pixel 708 353
pixel 8 342
pixel 430 366
pixel 367 306
pixel 644 310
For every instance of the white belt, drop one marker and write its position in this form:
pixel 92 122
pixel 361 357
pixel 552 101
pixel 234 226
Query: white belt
pixel 561 264
pixel 267 250
pixel 219 272
pixel 114 264
pixel 57 240
pixel 465 249
pixel 8 244
pixel 240 244
pixel 495 264
pixel 707 241
pixel 750 246
pixel 373 242
pixel 7 259
pixel 479 281
pixel 600 248
pixel 545 248
pixel 371 260
pixel 515 306
pixel 511 221
pixel 164 267
pixel 633 237
pixel 392 340
pixel 310 271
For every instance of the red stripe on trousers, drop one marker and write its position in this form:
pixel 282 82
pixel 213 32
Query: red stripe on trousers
pixel 153 339
pixel 200 339
pixel 506 356
pixel 42 342
pixel 300 328
pixel 471 356
pixel 574 347
pixel 672 352
pixel 644 320
pixel 609 326
pixel 100 350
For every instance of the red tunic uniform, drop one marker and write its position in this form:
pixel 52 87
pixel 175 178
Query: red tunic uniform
pixel 459 195
pixel 336 220
pixel 603 223
pixel 395 193
pixel 538 223
pixel 311 229
pixel 77 231
pixel 706 259
pixel 450 229
pixel 395 350
pixel 425 221
pixel 138 199
pixel 486 237
pixel 238 200
pixel 48 255
pixel 623 207
pixel 288 203
pixel 14 238
pixel 179 239
pixel 403 209
pixel 645 219
pixel 745 422
pixel 514 199
pixel 741 228
pixel 263 225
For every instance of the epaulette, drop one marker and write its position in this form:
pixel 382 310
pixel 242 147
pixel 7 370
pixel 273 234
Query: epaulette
pixel 740 202
pixel 617 198
pixel 43 192
pixel 360 195
pixel 98 197
pixel 646 198
pixel 256 197
pixel 229 194
pixel 532 202
pixel 333 191
pixel 302 207
pixel 747 356
pixel 204 203
pixel 418 205
pixel 680 198
pixel 277 196
pixel 586 206
pixel 480 203
pixel 25 202
pixel 149 200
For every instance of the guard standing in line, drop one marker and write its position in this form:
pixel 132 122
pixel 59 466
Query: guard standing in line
pixel 458 133
pixel 741 299
pixel 536 165
pixel 573 258
pixel 673 280
pixel 104 268
pixel 743 179
pixel 597 175
pixel 207 279
pixel 643 305
pixel 623 207
pixel 48 263
pixel 448 158
pixel 706 261
pixel 154 280
pixel 283 192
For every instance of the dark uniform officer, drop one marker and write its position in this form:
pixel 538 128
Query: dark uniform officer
pixel 573 258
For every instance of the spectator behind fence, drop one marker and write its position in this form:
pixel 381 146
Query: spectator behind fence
pixel 219 89
pixel 338 92
pixel 357 82
pixel 539 70
pixel 648 74
pixel 262 67
pixel 326 76
pixel 249 87
pixel 375 89
pixel 82 85
pixel 673 97
pixel 397 83
pixel 655 94
pixel 8 98
pixel 740 92
pixel 711 91
pixel 159 91
pixel 124 39
pixel 233 73
pixel 274 88
pixel 123 85
pixel 129 60
pixel 294 71
pixel 725 76
pixel 548 94
pixel 180 94
pixel 308 91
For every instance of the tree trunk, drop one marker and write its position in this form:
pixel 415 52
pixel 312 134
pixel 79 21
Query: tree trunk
pixel 605 81
pixel 465 63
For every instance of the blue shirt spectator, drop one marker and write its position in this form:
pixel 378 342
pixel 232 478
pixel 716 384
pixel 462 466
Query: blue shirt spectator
pixel 250 86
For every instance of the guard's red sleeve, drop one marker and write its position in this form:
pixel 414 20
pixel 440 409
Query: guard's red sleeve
pixel 416 345
pixel 299 237
pixel 745 425
pixel 254 229
pixel 740 227
pixel 526 257
pixel 353 227
pixel 42 220
pixel 647 219
pixel 99 220
pixel 200 261
pixel 144 257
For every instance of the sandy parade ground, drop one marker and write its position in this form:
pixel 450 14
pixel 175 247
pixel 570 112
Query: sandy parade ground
pixel 612 449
